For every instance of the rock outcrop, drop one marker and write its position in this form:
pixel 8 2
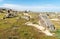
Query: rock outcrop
pixel 44 20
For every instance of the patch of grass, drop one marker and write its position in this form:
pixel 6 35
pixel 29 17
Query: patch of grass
pixel 58 33
pixel 56 23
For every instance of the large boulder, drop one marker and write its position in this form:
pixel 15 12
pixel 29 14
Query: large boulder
pixel 9 15
pixel 46 22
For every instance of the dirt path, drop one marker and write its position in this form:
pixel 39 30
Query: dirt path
pixel 41 28
pixel 55 19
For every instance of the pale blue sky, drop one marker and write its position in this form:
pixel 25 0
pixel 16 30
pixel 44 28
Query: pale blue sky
pixel 33 5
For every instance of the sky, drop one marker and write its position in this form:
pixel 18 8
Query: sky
pixel 33 5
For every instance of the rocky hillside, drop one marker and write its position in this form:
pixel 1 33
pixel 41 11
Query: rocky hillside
pixel 24 25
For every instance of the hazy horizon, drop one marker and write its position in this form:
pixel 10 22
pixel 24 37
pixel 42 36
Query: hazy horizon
pixel 33 5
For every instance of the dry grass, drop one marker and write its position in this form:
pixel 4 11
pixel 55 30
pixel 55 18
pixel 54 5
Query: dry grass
pixel 25 32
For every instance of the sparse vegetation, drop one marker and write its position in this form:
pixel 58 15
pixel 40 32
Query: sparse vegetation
pixel 24 31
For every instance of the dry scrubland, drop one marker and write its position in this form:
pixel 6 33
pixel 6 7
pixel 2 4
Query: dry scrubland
pixel 23 31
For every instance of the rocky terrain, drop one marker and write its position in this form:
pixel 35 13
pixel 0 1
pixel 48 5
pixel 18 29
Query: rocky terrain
pixel 29 25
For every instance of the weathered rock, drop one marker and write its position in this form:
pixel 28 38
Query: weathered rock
pixel 46 22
